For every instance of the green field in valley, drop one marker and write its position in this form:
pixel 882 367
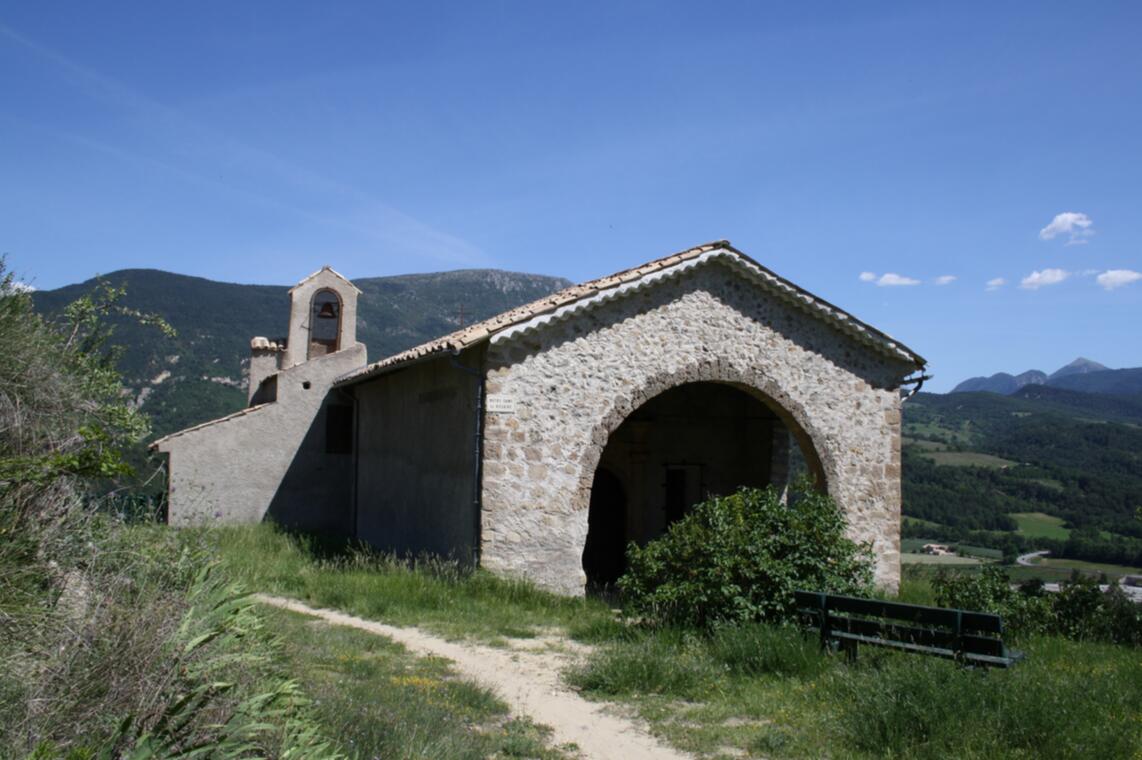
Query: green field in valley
pixel 938 559
pixel 1040 525
pixel 1066 565
pixel 967 459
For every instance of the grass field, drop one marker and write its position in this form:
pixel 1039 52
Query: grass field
pixel 938 559
pixel 435 595
pixel 920 443
pixel 758 691
pixel 376 699
pixel 982 552
pixel 1092 568
pixel 1054 485
pixel 921 522
pixel 916 544
pixel 1039 525
pixel 930 430
pixel 967 459
pixel 1056 571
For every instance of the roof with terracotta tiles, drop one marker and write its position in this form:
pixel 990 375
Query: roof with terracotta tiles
pixel 577 297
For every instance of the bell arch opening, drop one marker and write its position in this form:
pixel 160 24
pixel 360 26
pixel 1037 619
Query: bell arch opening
pixel 324 324
pixel 686 444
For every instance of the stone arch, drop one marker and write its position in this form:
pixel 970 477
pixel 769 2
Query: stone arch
pixel 792 414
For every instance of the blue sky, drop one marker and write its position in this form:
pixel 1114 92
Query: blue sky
pixel 256 141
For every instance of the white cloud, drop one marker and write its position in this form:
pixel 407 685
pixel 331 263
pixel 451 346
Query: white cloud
pixel 867 276
pixel 891 279
pixel 1039 279
pixel 946 279
pixel 1116 278
pixel 1075 225
pixel 996 283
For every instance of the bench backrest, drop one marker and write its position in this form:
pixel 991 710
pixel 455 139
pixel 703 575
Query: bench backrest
pixel 939 628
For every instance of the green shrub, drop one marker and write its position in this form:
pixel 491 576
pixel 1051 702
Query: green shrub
pixel 739 558
pixel 990 591
pixel 1079 611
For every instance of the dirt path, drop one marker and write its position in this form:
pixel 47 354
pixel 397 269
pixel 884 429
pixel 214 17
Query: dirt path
pixel 527 680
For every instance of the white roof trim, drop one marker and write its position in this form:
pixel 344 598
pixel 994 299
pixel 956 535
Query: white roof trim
pixel 798 298
pixel 331 271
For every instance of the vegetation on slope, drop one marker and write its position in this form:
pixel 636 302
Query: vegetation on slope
pixel 1079 461
pixel 80 676
pixel 197 374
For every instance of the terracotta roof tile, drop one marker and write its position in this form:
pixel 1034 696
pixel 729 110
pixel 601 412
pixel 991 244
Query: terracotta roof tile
pixel 480 331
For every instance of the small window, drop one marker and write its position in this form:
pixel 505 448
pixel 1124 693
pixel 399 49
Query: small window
pixel 339 429
pixel 324 324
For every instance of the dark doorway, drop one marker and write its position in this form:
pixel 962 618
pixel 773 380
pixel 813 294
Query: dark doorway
pixel 604 556
pixel 691 442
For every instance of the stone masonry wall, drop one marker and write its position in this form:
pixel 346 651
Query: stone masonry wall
pixel 569 384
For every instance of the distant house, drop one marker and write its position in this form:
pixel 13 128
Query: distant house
pixel 938 549
pixel 538 443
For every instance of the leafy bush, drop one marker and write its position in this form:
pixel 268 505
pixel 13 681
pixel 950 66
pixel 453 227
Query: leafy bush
pixel 1080 610
pixel 739 558
pixel 1023 612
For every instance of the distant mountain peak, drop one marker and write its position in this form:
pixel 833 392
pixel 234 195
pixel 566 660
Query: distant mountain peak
pixel 1002 382
pixel 1079 366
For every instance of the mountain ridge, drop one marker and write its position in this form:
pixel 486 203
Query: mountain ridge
pixel 200 374
pixel 1082 374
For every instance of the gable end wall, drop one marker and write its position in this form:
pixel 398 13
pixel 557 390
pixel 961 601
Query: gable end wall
pixel 571 383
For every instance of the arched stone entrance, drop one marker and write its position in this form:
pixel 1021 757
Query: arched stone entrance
pixel 688 443
pixel 557 392
pixel 604 554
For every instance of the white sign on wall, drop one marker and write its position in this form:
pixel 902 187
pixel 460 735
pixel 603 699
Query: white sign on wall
pixel 500 405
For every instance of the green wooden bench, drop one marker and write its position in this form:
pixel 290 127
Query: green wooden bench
pixel 972 638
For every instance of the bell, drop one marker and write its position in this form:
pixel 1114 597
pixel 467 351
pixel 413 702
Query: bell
pixel 327 311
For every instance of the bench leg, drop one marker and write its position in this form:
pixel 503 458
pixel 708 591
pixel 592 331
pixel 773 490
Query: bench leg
pixel 850 650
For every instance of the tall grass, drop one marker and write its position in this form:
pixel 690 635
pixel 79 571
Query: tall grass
pixel 687 664
pixel 1066 700
pixel 433 593
pixel 135 646
pixel 769 689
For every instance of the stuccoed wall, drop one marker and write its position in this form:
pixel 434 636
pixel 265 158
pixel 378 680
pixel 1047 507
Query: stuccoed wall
pixel 267 459
pixel 570 383
pixel 301 300
pixel 416 459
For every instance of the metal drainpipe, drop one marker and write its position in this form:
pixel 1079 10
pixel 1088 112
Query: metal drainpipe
pixel 477 452
pixel 919 381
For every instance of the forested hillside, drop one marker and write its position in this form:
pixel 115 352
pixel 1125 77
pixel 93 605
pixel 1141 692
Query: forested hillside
pixel 973 460
pixel 200 373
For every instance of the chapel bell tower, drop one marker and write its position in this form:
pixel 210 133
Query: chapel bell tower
pixel 322 321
